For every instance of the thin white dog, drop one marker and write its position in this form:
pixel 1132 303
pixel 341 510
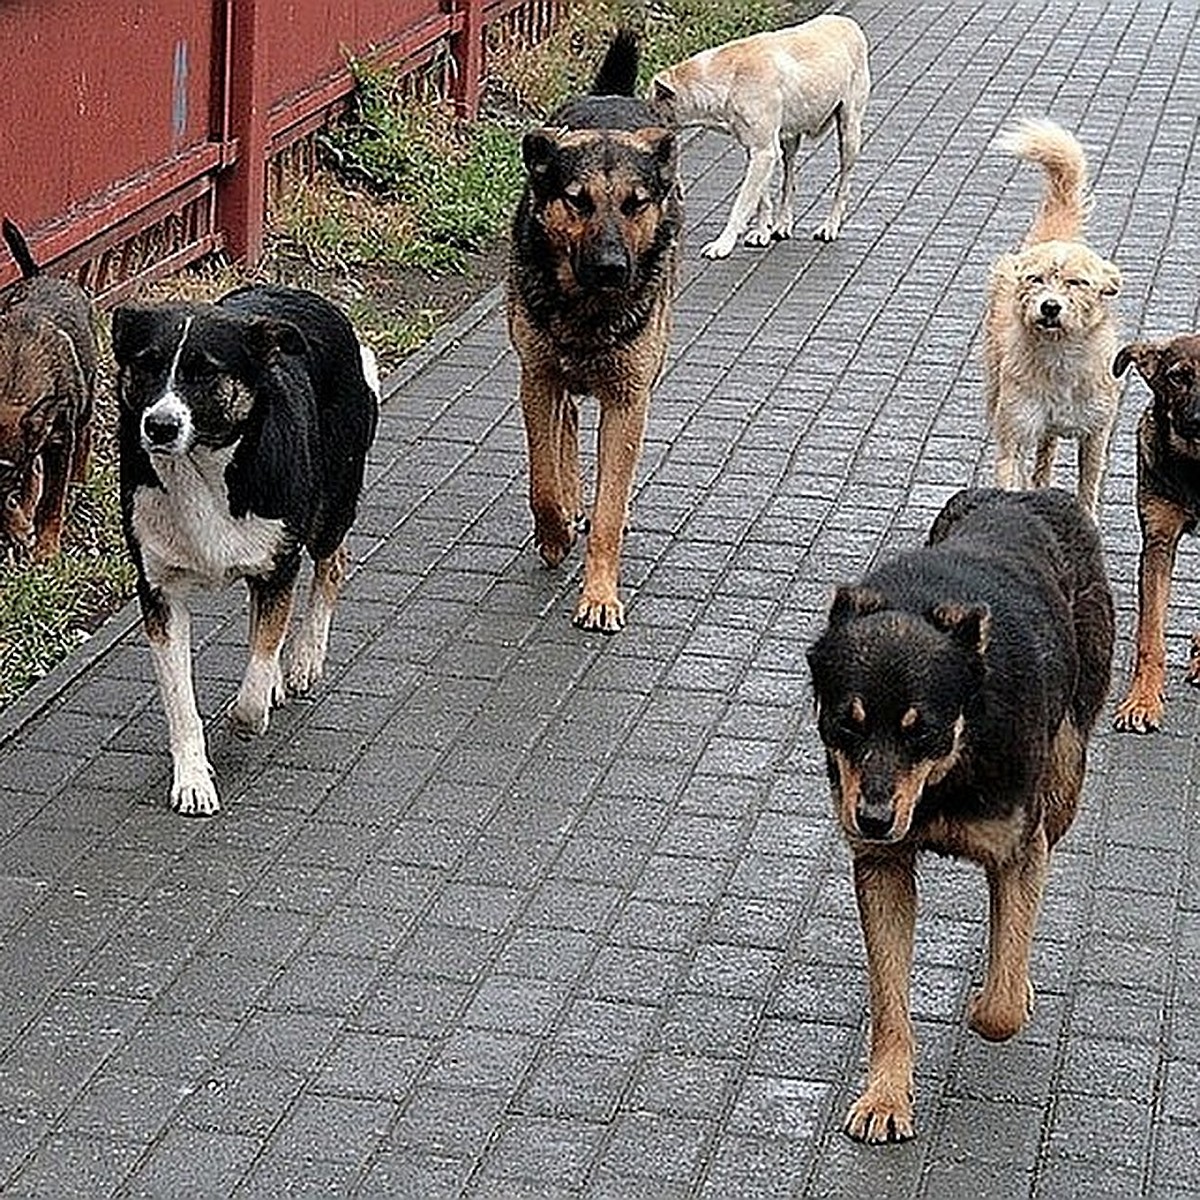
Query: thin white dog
pixel 769 90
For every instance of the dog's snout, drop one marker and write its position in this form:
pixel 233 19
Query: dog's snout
pixel 161 429
pixel 875 817
pixel 605 264
pixel 1051 310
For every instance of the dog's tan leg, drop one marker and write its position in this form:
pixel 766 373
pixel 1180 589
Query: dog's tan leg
pixel 886 890
pixel 306 654
pixel 48 520
pixel 619 447
pixel 1093 455
pixel 1015 886
pixel 757 178
pixel 544 403
pixel 849 126
pixel 81 453
pixel 786 221
pixel 1064 782
pixel 168 626
pixel 1162 526
pixel 1011 462
pixel 1043 461
pixel 568 459
pixel 262 685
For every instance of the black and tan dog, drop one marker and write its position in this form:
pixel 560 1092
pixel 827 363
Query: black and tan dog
pixel 1168 504
pixel 244 427
pixel 47 388
pixel 595 242
pixel 956 688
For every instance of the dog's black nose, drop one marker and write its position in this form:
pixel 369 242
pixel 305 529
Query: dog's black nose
pixel 160 430
pixel 875 821
pixel 1051 309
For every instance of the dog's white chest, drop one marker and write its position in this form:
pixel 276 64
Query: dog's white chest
pixel 186 532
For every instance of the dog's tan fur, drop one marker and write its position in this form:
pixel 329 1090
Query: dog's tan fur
pixel 769 90
pixel 1049 332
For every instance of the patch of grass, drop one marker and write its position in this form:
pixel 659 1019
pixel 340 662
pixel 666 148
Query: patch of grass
pixel 46 609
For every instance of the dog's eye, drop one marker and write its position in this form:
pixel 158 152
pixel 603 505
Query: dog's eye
pixel 1079 283
pixel 1035 279
pixel 632 205
pixel 1179 375
pixel 581 202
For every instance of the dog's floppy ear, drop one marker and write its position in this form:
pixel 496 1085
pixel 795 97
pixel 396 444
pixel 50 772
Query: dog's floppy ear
pixel 850 601
pixel 133 327
pixel 1143 355
pixel 968 624
pixel 271 473
pixel 1110 278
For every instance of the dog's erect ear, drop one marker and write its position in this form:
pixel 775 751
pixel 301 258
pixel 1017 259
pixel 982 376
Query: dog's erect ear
pixel 855 601
pixel 968 624
pixel 1143 355
pixel 662 96
pixel 661 144
pixel 538 150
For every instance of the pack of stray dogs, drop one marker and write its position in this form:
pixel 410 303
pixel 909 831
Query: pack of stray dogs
pixel 956 685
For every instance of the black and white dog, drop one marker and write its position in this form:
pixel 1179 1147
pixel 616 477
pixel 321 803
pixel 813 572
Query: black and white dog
pixel 244 429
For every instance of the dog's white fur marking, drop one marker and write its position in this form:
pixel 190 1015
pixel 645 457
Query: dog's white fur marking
pixel 370 369
pixel 1049 335
pixel 769 90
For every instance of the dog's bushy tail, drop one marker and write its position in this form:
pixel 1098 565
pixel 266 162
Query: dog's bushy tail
pixel 19 248
pixel 618 72
pixel 1065 203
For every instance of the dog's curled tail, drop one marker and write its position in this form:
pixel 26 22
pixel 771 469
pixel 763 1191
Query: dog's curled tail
pixel 19 248
pixel 618 72
pixel 1065 203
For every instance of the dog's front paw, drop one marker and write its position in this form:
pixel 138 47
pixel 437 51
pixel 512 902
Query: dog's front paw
pixel 1140 712
pixel 606 615
pixel 554 535
pixel 759 237
pixel 721 247
pixel 998 1018
pixel 828 231
pixel 783 229
pixel 881 1115
pixel 193 793
pixel 306 665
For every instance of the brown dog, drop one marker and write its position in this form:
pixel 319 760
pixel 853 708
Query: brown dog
pixel 590 287
pixel 1168 504
pixel 47 384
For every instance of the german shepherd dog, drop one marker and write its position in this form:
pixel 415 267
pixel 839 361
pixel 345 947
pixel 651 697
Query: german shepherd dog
pixel 955 690
pixel 1168 505
pixel 590 286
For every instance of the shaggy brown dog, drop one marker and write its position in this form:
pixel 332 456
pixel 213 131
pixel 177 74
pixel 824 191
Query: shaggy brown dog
pixel 1168 504
pixel 1049 335
pixel 956 688
pixel 47 385
pixel 589 308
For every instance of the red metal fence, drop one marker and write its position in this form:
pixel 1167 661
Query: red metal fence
pixel 136 135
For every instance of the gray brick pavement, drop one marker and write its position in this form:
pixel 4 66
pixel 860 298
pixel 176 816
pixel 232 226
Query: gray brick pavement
pixel 512 911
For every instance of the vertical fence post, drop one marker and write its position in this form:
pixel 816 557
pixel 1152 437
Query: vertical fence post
pixel 466 49
pixel 242 186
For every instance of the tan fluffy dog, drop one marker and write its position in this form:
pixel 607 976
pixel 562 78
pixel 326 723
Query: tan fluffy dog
pixel 769 90
pixel 1050 337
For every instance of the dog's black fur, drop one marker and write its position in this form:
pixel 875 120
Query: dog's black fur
pixel 244 428
pixel 956 688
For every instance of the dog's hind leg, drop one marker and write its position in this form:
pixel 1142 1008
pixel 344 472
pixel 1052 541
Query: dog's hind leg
pixel 757 179
pixel 1015 886
pixel 48 521
pixel 886 890
pixel 262 684
pixel 168 626
pixel 849 126
pixel 306 653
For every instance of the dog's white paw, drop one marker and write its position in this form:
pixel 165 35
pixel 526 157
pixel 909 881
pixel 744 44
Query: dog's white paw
pixel 758 237
pixel 828 231
pixel 306 665
pixel 193 794
pixel 720 248
pixel 783 229
pixel 261 690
